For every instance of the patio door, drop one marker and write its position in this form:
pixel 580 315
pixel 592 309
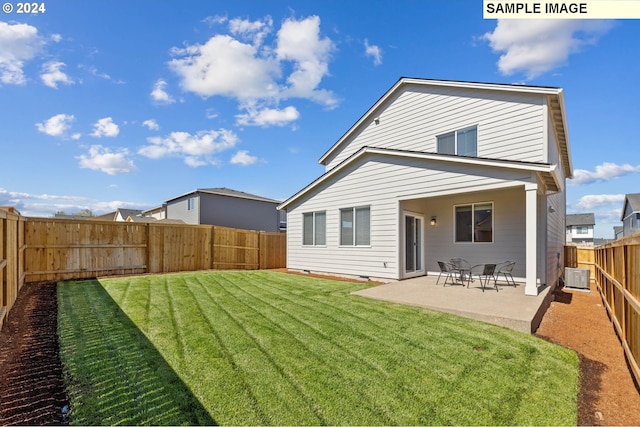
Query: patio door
pixel 413 244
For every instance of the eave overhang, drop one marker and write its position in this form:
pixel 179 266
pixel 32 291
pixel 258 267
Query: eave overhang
pixel 547 173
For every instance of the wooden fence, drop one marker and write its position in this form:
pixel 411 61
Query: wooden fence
pixel 12 249
pixel 616 270
pixel 63 249
pixel 50 249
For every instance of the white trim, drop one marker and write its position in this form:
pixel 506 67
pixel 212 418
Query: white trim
pixel 403 244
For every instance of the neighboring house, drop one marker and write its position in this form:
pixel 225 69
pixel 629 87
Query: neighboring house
pixel 122 214
pixel 631 214
pixel 119 215
pixel 436 170
pixel 580 228
pixel 159 212
pixel 617 232
pixel 225 207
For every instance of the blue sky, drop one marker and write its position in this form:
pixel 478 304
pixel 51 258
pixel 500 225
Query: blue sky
pixel 107 104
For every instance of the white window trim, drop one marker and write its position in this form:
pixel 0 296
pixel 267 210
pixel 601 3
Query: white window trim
pixel 189 207
pixel 313 231
pixel 473 214
pixel 353 245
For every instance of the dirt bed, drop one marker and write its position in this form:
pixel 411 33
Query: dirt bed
pixel 32 390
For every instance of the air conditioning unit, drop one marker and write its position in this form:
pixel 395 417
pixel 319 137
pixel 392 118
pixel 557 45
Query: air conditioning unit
pixel 577 278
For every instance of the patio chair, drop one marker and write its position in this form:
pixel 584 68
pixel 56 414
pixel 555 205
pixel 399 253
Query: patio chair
pixel 505 269
pixel 463 268
pixel 487 274
pixel 447 271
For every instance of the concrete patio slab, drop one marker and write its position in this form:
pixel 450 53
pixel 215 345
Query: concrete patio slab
pixel 508 307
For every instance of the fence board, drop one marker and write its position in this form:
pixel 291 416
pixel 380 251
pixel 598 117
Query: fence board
pixel 51 249
pixel 11 258
pixel 62 249
pixel 617 276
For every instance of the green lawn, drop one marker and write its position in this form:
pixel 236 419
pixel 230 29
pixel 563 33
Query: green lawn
pixel 267 348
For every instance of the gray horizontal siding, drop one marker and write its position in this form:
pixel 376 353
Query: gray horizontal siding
pixel 511 126
pixel 379 182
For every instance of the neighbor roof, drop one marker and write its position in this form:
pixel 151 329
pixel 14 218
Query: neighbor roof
pixel 554 94
pixel 222 191
pixel 581 219
pixel 632 200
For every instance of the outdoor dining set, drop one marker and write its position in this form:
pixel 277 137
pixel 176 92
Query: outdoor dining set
pixel 460 271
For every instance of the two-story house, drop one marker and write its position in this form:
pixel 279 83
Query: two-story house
pixel 226 207
pixel 631 214
pixel 580 228
pixel 435 170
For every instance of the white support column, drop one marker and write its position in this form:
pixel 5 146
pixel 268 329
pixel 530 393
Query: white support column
pixel 531 239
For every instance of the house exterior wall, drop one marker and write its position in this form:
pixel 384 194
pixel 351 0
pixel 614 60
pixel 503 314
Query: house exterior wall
pixel 573 236
pixel 508 228
pixel 394 184
pixel 630 221
pixel 237 212
pixel 554 215
pixel 177 209
pixel 511 126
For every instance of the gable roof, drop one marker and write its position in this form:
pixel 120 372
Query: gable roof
pixel 581 219
pixel 554 96
pixel 547 172
pixel 222 191
pixel 632 200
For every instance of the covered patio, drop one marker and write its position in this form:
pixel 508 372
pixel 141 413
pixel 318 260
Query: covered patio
pixel 508 307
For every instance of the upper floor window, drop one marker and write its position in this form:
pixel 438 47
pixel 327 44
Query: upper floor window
pixel 355 226
pixel 314 228
pixel 582 229
pixel 463 142
pixel 191 203
pixel 474 223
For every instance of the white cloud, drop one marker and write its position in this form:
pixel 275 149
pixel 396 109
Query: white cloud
pixel 300 42
pixel 227 67
pixel 159 94
pixel 56 125
pixel 110 162
pixel 604 172
pixel 243 158
pixel 52 74
pixel 105 127
pixel 151 124
pixel 57 38
pixel 268 117
pixel 593 201
pixel 254 31
pixel 243 66
pixel 19 43
pixel 373 51
pixel 537 46
pixel 196 150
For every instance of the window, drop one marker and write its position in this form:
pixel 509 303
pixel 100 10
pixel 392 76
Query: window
pixel 582 229
pixel 314 225
pixel 355 227
pixel 474 223
pixel 462 142
pixel 191 203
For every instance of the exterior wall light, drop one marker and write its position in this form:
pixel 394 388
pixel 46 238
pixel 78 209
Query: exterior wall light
pixel 433 221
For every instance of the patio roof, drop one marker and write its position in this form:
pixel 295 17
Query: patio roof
pixel 546 172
